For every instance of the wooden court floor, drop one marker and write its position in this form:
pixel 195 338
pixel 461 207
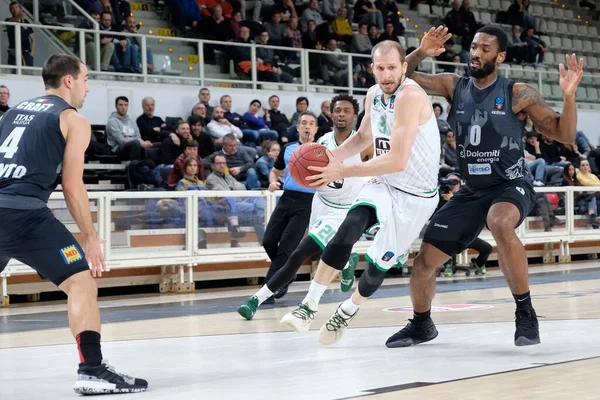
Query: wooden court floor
pixel 195 346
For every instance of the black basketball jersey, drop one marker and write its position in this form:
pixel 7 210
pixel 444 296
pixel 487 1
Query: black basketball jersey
pixel 31 152
pixel 488 133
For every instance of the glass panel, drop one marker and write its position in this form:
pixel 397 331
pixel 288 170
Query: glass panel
pixel 548 214
pixel 362 73
pixel 227 65
pixel 61 212
pixel 230 222
pixel 271 64
pixel 149 225
pixel 586 204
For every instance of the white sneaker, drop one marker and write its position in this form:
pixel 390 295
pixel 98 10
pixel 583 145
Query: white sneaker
pixel 334 328
pixel 300 319
pixel 538 183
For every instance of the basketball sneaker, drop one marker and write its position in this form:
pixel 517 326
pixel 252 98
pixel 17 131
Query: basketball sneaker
pixel 300 319
pixel 347 279
pixel 334 328
pixel 248 309
pixel 478 270
pixel 103 379
pixel 413 333
pixel 527 331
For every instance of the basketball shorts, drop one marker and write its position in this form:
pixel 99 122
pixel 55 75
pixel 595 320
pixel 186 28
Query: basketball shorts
pixel 37 239
pixel 400 215
pixel 461 220
pixel 325 220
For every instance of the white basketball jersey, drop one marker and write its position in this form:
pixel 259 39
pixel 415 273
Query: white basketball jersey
pixel 340 194
pixel 420 177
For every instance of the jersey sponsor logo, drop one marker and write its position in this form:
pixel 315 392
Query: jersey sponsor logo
pixel 12 171
pixel 336 184
pixel 520 190
pixel 499 103
pixel 34 106
pixel 392 102
pixel 480 169
pixel 436 225
pixel 318 224
pixel 516 171
pixel 387 256
pixel 70 254
pixel 382 146
pixel 375 181
pixel 23 119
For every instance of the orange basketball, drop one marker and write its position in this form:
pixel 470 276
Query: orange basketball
pixel 309 154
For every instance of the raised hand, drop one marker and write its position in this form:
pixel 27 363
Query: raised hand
pixel 432 44
pixel 570 79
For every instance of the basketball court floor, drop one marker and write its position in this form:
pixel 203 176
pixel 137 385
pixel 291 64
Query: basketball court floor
pixel 196 346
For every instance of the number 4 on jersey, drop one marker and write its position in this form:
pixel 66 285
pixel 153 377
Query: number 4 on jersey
pixel 11 144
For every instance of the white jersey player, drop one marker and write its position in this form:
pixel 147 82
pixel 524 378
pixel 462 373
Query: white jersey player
pixel 399 122
pixel 329 208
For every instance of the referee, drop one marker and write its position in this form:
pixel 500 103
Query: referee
pixel 289 221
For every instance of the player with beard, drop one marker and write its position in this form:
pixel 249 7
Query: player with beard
pixel 401 125
pixel 329 207
pixel 487 117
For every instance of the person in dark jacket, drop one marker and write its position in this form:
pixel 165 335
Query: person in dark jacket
pixel 151 127
pixel 206 146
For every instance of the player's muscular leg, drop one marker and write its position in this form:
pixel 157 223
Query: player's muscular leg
pixel 83 311
pixel 501 220
pixel 422 278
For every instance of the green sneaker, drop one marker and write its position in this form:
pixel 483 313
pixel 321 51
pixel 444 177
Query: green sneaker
pixel 248 309
pixel 347 279
pixel 448 273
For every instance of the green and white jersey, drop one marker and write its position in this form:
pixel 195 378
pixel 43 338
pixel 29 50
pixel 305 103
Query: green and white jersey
pixel 340 194
pixel 420 177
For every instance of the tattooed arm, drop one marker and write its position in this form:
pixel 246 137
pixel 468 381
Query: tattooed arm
pixel 560 127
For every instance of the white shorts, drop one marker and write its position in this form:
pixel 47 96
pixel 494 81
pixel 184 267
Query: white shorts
pixel 324 221
pixel 401 217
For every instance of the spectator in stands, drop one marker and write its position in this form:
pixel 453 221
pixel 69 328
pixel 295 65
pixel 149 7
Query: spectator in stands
pixel 324 120
pixel 453 20
pixel 236 19
pixel 301 106
pixel 241 54
pixel 185 13
pixel 311 14
pixel 447 56
pixel 239 161
pixel 443 126
pixel 4 97
pixel 152 128
pixel 206 145
pixel 389 11
pixel 516 47
pixel 247 5
pixel 206 7
pixel 173 146
pixel 450 156
pixel 331 9
pixel 537 166
pixel 123 135
pixel 136 47
pixel 101 6
pixel 216 27
pixel 310 39
pixel 200 111
pixel 121 57
pixel 585 177
pixel 373 35
pixel 360 42
pixel 279 121
pixel 586 202
pixel 366 12
pixel 335 70
pixel 264 164
pixel 190 180
pixel 535 47
pixel 517 15
pixel 275 29
pixel 551 151
pixel 468 18
pixel 570 153
pixel 218 127
pixel 260 126
pixel 292 37
pixel 363 75
pixel 27 36
pixel 107 47
pixel 341 27
pixel 389 33
pixel 204 98
pixel 178 171
pixel 544 208
pixel 249 135
pixel 265 59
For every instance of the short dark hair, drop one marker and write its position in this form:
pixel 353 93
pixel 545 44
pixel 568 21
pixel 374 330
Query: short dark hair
pixel 273 96
pixel 191 143
pixel 361 24
pixel 12 3
pixel 57 67
pixel 181 122
pixel 388 45
pixel 309 113
pixel 344 97
pixel 499 33
pixel 256 101
pixel 188 161
pixel 434 105
pixel 214 161
pixel 195 119
pixel 301 99
pixel 125 99
pixel 106 12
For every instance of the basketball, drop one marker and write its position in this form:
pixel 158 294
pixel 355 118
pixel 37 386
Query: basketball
pixel 309 154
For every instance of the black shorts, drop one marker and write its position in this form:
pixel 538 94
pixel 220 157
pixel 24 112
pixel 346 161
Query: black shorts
pixel 461 220
pixel 36 238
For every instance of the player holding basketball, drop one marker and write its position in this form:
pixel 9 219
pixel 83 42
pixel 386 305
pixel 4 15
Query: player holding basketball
pixel 488 113
pixel 329 207
pixel 400 123
pixel 39 138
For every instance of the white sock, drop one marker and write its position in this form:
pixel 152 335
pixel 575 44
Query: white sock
pixel 263 294
pixel 315 291
pixel 347 265
pixel 349 308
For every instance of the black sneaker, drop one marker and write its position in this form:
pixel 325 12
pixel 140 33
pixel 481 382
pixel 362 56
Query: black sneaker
pixel 413 333
pixel 103 379
pixel 527 331
pixel 281 292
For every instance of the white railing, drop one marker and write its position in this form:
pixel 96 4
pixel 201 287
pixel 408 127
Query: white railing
pixel 195 72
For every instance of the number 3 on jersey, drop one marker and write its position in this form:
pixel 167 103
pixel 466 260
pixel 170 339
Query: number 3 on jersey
pixel 475 135
pixel 11 144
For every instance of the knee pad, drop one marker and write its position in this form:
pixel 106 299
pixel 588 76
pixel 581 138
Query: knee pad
pixel 370 280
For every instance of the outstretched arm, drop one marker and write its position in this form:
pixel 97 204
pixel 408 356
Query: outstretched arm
pixel 432 45
pixel 559 126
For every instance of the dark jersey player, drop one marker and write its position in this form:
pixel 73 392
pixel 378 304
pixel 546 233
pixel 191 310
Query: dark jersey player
pixel 39 139
pixel 488 112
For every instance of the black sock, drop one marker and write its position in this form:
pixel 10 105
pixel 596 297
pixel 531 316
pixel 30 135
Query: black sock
pixel 480 262
pixel 421 316
pixel 523 300
pixel 88 344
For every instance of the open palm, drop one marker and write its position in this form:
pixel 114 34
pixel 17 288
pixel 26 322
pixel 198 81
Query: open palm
pixel 432 43
pixel 569 79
